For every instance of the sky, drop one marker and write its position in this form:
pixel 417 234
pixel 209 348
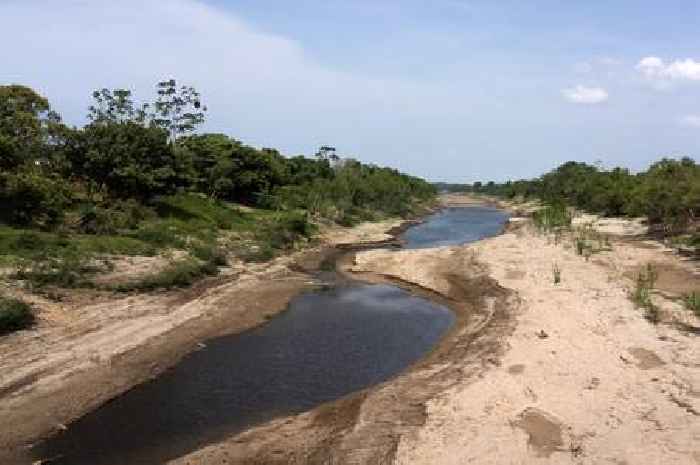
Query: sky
pixel 449 90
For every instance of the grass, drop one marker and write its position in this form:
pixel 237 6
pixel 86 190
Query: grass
pixel 692 302
pixel 552 217
pixel 556 274
pixel 190 222
pixel 14 315
pixel 181 273
pixel 641 296
pixel 587 242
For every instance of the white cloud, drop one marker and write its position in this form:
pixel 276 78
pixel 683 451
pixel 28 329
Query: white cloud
pixel 587 95
pixel 692 121
pixel 656 70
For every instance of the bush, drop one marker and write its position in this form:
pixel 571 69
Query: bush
pixel 29 198
pixel 692 302
pixel 552 217
pixel 285 230
pixel 646 280
pixel 14 315
pixel 67 268
pixel 181 273
pixel 122 215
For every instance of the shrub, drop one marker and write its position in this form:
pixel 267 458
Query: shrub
pixel 180 273
pixel 14 315
pixel 552 217
pixel 692 302
pixel 641 296
pixel 67 267
pixel 210 253
pixel 285 230
pixel 29 198
pixel 123 214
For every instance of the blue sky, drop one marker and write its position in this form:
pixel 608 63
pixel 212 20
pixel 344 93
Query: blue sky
pixel 450 90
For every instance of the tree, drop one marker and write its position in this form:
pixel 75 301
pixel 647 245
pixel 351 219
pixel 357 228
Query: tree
pixel 124 160
pixel 115 106
pixel 26 125
pixel 177 110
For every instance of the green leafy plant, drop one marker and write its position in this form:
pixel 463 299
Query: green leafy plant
pixel 641 296
pixel 14 315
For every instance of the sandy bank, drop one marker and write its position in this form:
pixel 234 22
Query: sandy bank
pixel 585 378
pixel 533 372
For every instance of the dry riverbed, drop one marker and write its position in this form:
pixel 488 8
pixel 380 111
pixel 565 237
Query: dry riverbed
pixel 90 347
pixel 531 373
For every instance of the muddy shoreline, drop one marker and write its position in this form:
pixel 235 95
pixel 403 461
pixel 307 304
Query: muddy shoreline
pixel 365 427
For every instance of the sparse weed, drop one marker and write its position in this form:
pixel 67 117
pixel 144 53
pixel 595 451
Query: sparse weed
pixel 552 217
pixel 556 273
pixel 180 273
pixel 692 302
pixel 646 280
pixel 67 268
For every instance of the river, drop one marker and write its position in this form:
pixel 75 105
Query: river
pixel 330 342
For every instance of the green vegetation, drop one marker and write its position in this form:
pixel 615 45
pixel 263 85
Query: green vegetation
pixel 641 296
pixel 556 273
pixel 179 273
pixel 692 302
pixel 14 315
pixel 667 193
pixel 552 217
pixel 137 180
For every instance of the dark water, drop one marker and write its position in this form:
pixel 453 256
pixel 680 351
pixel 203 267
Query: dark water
pixel 453 226
pixel 329 343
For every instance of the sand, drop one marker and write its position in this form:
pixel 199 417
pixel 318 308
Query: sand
pixel 585 378
pixel 537 373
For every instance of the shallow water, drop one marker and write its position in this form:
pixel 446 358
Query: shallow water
pixel 327 344
pixel 453 226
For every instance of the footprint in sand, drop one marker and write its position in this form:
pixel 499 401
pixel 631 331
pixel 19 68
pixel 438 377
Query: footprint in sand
pixel 544 431
pixel 646 359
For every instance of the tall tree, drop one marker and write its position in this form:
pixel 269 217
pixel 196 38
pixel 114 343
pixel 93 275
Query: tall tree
pixel 26 125
pixel 179 110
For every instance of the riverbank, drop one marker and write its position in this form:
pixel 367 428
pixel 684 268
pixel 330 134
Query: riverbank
pixel 532 372
pixel 89 348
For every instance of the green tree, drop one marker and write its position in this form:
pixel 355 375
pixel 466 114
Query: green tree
pixel 124 160
pixel 26 126
pixel 178 110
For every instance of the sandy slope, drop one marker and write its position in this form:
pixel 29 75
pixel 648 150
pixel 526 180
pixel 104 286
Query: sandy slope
pixel 585 379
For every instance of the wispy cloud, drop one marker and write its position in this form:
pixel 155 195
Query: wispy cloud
pixel 662 74
pixel 586 95
pixel 692 121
